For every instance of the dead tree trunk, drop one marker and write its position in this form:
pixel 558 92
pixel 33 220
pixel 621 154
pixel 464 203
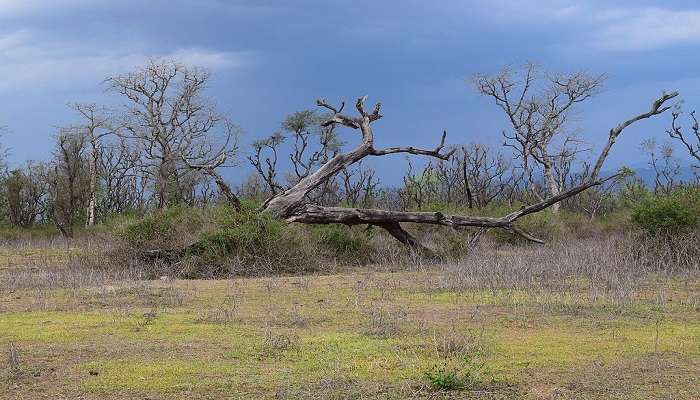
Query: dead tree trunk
pixel 290 204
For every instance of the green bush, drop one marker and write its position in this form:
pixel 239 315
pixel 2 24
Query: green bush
pixel 167 229
pixel 677 212
pixel 343 241
pixel 243 233
pixel 448 376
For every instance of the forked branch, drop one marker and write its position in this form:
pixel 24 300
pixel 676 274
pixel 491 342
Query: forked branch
pixel 437 153
pixel 286 203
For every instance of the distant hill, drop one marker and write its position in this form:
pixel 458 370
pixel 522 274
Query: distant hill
pixel 647 174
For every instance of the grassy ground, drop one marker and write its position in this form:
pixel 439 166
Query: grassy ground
pixel 355 335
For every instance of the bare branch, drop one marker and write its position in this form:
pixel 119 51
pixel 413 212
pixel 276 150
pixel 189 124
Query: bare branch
pixel 657 108
pixel 412 150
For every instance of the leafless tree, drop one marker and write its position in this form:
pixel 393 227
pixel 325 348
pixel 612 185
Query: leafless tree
pixel 265 159
pixel 538 107
pixel 418 187
pixel 485 175
pixel 310 145
pixel 360 186
pixel 595 201
pixel 97 126
pixel 167 113
pixel 290 204
pixel 305 156
pixel 666 167
pixel 448 176
pixel 209 170
pixel 691 141
pixel 120 178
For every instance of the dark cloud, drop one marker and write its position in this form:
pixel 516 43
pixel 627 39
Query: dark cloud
pixel 275 57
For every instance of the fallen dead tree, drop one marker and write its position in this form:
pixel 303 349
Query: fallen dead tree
pixel 292 205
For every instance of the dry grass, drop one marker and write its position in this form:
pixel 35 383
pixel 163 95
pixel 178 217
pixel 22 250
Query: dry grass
pixel 599 320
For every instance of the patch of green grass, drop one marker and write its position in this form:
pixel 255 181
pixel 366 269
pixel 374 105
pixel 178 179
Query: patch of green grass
pixel 557 345
pixel 53 327
pixel 350 355
pixel 159 375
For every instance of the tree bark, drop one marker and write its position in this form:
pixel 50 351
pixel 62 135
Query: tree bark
pixel 552 185
pixel 92 202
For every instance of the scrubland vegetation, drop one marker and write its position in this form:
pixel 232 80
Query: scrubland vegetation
pixel 354 315
pixel 131 268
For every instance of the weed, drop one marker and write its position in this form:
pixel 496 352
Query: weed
pixel 275 343
pixel 385 323
pixel 220 315
pixel 449 375
pixel 452 344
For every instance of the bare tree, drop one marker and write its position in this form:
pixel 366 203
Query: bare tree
pixel 172 120
pixel 311 145
pixel 305 155
pixel 290 204
pixel 209 169
pixel 597 200
pixel 120 178
pixel 447 174
pixel 666 168
pixel 97 126
pixel 538 107
pixel 418 187
pixel 485 176
pixel 691 141
pixel 265 158
pixel 360 186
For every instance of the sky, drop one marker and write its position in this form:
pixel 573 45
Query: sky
pixel 271 58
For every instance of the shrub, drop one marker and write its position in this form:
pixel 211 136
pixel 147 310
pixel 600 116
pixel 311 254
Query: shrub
pixel 448 376
pixel 250 243
pixel 168 229
pixel 674 213
pixel 345 242
pixel 244 232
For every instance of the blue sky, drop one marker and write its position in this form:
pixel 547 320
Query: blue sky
pixel 270 58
